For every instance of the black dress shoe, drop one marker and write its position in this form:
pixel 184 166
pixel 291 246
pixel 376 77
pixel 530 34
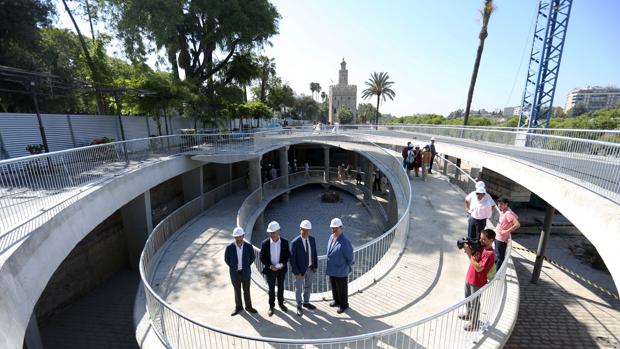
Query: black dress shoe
pixel 283 307
pixel 341 310
pixel 251 310
pixel 309 306
pixel 300 312
pixel 236 311
pixel 270 312
pixel 333 304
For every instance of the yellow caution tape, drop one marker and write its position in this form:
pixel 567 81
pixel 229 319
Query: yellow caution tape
pixel 572 273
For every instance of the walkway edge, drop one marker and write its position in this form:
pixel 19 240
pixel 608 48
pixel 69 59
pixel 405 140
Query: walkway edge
pixel 498 333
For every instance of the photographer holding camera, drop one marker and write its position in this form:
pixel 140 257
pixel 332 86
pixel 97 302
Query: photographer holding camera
pixel 481 260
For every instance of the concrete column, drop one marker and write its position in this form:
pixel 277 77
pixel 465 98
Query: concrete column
pixel 368 182
pixel 254 174
pixel 138 225
pixel 223 174
pixel 192 184
pixel 32 338
pixel 326 161
pixel 542 243
pixel 283 155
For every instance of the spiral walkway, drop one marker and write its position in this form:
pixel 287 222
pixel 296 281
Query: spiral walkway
pixel 429 276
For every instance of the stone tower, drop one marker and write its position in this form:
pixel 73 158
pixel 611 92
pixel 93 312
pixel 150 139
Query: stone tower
pixel 342 94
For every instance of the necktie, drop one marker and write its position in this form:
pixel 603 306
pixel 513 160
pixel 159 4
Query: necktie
pixel 306 246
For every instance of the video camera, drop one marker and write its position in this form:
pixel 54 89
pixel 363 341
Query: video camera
pixel 474 244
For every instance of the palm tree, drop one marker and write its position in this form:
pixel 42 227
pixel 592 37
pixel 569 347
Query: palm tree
pixel 317 87
pixel 267 69
pixel 323 96
pixel 486 15
pixel 313 88
pixel 379 85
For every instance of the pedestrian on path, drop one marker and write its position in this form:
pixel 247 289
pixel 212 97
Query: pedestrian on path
pixel 339 265
pixel 304 263
pixel 405 154
pixel 239 256
pixel 480 263
pixel 426 158
pixel 479 206
pixel 433 153
pixel 273 173
pixel 358 176
pixel 274 254
pixel 417 160
pixel 376 181
pixel 306 170
pixel 508 223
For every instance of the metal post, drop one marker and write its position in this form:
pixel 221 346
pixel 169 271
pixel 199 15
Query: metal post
pixel 33 92
pixel 118 112
pixel 542 243
pixel 71 130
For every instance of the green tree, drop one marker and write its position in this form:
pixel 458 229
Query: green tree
pixel 267 70
pixel 20 23
pixel 280 96
pixel 257 110
pixel 305 108
pixel 379 85
pixel 365 112
pixel 344 115
pixel 323 96
pixel 486 11
pixel 204 35
pixel 577 110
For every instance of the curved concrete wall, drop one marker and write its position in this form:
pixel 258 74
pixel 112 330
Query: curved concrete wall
pixel 28 266
pixel 26 272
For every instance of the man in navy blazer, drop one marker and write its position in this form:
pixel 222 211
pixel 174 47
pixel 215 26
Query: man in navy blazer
pixel 274 254
pixel 339 265
pixel 239 257
pixel 304 262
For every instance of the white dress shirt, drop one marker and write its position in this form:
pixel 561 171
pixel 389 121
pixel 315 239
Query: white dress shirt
pixel 274 249
pixel 306 242
pixel 239 256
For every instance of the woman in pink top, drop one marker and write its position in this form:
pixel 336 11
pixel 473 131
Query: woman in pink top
pixel 508 222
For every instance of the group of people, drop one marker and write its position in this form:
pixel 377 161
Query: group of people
pixel 276 255
pixel 483 263
pixel 415 158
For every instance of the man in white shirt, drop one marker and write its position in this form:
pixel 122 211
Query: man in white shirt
pixel 274 254
pixel 479 206
pixel 304 262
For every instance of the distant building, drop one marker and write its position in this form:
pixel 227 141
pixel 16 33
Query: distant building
pixel 342 94
pixel 509 111
pixel 593 98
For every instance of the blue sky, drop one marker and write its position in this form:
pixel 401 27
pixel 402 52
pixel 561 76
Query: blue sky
pixel 428 49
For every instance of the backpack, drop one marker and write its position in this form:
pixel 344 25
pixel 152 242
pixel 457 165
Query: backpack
pixel 410 157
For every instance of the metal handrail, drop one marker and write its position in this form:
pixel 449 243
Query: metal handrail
pixel 193 333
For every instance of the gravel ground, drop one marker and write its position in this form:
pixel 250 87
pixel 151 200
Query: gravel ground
pixel 305 203
pixel 558 250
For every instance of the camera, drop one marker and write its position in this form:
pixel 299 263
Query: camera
pixel 474 244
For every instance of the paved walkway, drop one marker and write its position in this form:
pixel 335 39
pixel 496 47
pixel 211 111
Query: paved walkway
pixel 429 276
pixel 560 312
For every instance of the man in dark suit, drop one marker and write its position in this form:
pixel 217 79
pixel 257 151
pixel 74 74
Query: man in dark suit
pixel 239 257
pixel 304 262
pixel 274 254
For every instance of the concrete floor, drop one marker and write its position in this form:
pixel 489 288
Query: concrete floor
pixel 429 276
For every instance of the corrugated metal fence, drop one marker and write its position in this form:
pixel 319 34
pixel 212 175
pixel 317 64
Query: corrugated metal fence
pixel 17 131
